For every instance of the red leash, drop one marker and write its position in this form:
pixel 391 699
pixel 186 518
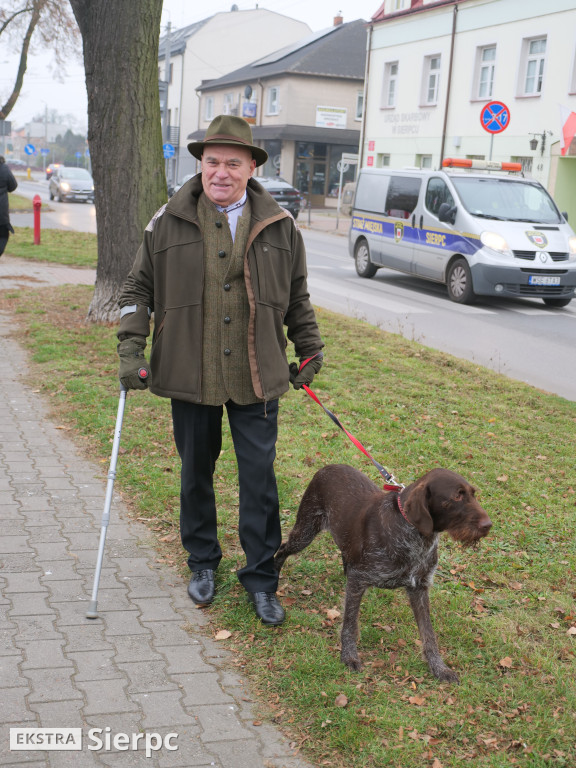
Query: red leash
pixel 391 483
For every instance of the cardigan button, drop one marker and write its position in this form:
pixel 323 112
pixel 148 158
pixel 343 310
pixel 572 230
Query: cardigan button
pixel 227 287
pixel 221 254
pixel 219 224
pixel 227 351
pixel 227 320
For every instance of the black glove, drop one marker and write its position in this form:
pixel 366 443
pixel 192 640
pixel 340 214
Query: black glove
pixel 307 373
pixel 132 360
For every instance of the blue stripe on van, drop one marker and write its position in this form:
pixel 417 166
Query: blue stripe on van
pixel 400 231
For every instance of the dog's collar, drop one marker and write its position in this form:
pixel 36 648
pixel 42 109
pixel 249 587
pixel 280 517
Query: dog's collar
pixel 401 508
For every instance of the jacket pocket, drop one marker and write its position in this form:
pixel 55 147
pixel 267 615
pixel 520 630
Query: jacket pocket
pixel 176 356
pixel 274 274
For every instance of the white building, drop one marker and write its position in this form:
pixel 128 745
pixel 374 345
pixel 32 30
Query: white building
pixel 209 49
pixel 434 67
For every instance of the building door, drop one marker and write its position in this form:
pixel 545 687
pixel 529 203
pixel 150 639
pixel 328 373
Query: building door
pixel 311 172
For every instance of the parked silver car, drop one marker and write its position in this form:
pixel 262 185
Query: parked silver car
pixel 71 184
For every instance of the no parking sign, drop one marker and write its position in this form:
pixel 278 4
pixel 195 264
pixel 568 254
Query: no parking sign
pixel 495 117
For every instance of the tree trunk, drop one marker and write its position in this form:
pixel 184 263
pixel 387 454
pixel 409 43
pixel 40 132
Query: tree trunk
pixel 120 44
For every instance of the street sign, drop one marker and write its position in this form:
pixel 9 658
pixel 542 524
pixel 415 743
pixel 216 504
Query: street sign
pixel 495 117
pixel 168 150
pixel 44 151
pixel 30 149
pixel 78 154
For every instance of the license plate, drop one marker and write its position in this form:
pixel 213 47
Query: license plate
pixel 543 280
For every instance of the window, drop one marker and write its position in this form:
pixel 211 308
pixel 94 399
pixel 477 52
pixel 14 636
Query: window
pixel 423 161
pixel 486 60
pixel 389 85
pixel 437 193
pixel 526 163
pixel 230 107
pixel 534 55
pixel 209 108
pixel 359 105
pixel 382 161
pixel 272 105
pixel 431 80
pixel 402 196
pixel 398 5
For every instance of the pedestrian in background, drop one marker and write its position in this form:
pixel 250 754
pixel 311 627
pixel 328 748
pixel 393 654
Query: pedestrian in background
pixel 223 268
pixel 7 184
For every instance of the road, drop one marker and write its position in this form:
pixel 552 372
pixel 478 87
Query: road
pixel 76 216
pixel 521 339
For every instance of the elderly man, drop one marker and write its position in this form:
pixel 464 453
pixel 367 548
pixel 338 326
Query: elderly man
pixel 223 268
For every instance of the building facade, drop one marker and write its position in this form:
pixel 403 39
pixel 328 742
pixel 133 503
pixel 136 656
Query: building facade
pixel 304 102
pixel 206 50
pixel 440 70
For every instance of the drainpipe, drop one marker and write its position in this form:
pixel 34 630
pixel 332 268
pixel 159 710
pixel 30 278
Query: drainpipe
pixel 452 41
pixel 365 98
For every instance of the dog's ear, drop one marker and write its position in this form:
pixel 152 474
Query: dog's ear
pixel 415 503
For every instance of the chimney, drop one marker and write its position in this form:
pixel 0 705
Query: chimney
pixel 338 19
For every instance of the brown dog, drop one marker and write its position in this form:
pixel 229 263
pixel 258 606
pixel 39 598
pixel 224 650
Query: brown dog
pixel 388 540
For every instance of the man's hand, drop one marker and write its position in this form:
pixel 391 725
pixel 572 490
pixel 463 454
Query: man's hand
pixel 305 376
pixel 132 360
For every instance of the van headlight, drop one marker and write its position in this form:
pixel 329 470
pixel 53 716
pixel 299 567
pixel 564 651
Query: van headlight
pixel 495 242
pixel 65 186
pixel 572 244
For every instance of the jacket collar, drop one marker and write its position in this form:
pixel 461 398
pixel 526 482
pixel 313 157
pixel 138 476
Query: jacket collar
pixel 185 202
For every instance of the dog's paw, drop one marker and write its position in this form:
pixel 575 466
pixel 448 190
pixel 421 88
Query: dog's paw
pixel 351 661
pixel 446 674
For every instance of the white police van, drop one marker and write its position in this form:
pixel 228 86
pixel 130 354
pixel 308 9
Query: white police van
pixel 480 232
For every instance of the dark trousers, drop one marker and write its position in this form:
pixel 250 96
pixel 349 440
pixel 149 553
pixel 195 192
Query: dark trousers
pixel 198 437
pixel 4 235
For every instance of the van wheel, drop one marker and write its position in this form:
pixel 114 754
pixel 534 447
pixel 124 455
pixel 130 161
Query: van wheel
pixel 556 302
pixel 459 282
pixel 364 266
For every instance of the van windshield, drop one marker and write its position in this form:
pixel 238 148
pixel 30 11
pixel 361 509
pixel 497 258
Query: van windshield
pixel 507 200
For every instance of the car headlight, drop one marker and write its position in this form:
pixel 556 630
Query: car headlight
pixel 572 244
pixel 495 242
pixel 65 186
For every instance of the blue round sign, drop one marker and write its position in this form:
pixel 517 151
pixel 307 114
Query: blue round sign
pixel 495 117
pixel 30 149
pixel 168 150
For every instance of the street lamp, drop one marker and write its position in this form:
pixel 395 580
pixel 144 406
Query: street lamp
pixel 539 137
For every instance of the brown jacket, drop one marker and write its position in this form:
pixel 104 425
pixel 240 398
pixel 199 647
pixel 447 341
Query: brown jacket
pixel 168 277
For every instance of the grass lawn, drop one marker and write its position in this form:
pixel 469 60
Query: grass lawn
pixel 505 614
pixel 57 246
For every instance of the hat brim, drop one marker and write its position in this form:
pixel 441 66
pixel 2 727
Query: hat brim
pixel 196 148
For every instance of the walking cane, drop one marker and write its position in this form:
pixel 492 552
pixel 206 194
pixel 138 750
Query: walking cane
pixel 92 612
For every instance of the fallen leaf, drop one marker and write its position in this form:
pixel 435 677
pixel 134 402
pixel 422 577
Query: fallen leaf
pixel 571 631
pixel 437 763
pixel 502 478
pixel 506 662
pixel 223 634
pixel 417 700
pixel 332 614
pixel 341 700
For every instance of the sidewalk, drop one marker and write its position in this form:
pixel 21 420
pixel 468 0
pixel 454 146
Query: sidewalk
pixel 148 664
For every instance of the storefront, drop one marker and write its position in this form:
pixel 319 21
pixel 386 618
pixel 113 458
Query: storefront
pixel 308 158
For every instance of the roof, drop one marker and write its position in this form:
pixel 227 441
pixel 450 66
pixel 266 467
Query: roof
pixel 338 52
pixel 178 38
pixel 415 7
pixel 296 133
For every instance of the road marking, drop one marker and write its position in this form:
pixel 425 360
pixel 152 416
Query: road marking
pixel 359 298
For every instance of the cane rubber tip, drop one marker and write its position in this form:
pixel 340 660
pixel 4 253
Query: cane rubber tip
pixel 92 612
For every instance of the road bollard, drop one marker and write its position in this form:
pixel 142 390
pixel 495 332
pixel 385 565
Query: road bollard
pixel 37 203
pixel 29 173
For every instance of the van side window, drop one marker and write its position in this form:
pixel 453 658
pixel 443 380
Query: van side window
pixel 402 196
pixel 371 193
pixel 437 193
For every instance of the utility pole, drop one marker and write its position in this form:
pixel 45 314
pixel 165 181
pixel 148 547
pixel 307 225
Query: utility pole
pixel 166 121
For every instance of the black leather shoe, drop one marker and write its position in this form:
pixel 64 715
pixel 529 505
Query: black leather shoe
pixel 201 587
pixel 267 607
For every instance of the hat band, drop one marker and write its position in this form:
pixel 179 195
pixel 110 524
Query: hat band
pixel 226 137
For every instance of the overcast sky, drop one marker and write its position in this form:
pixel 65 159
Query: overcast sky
pixel 47 87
